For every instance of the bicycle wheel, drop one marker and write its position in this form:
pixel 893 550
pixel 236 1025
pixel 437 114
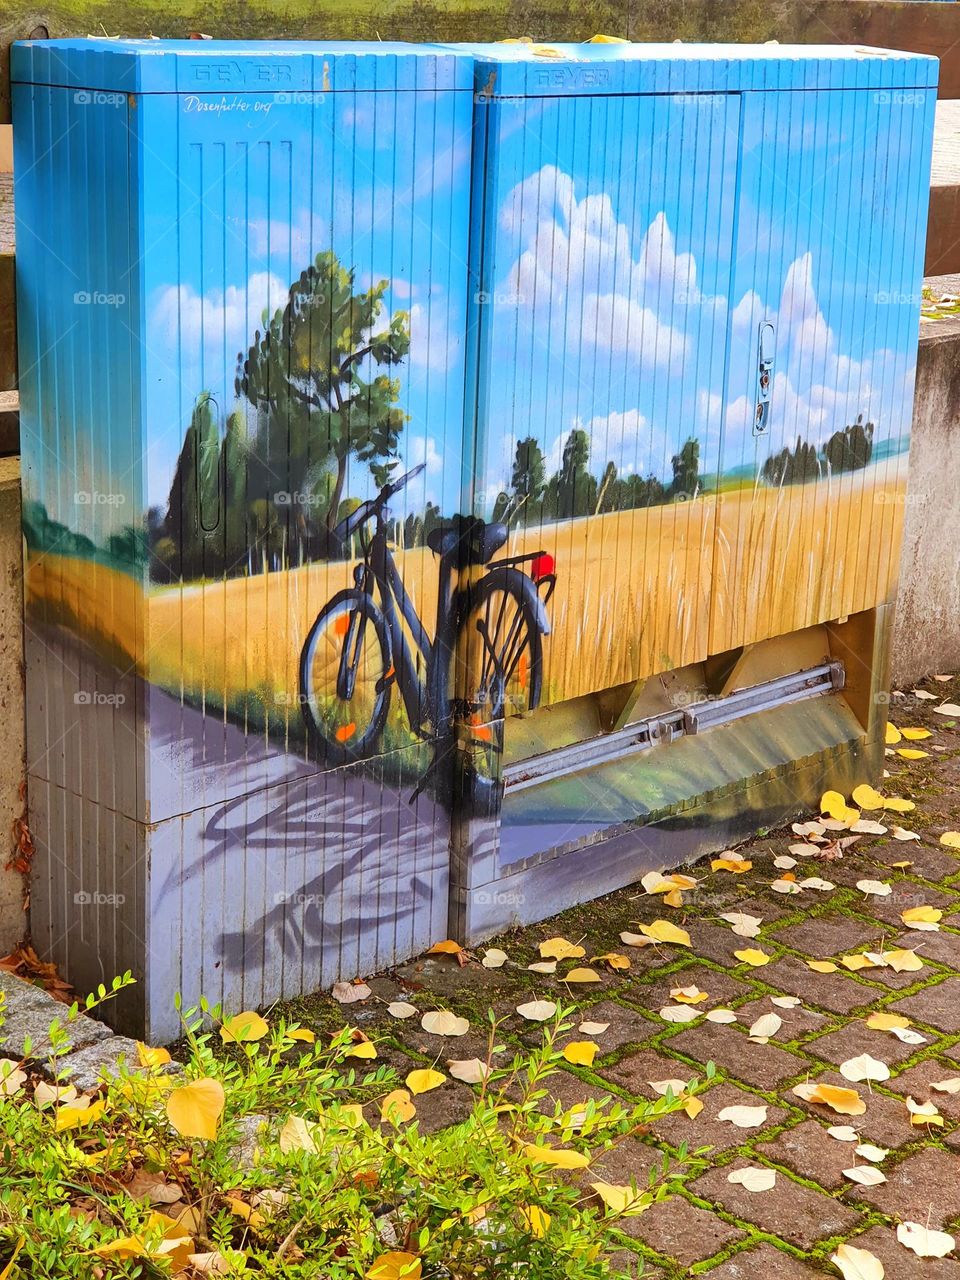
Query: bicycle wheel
pixel 345 669
pixel 499 656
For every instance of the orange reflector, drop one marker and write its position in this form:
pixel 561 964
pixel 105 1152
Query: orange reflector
pixel 522 671
pixel 346 731
pixel 341 625
pixel 483 732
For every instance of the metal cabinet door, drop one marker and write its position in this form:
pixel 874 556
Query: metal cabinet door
pixel 309 869
pixel 823 331
pixel 601 268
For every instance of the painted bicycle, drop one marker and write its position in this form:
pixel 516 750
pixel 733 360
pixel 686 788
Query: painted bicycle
pixel 485 658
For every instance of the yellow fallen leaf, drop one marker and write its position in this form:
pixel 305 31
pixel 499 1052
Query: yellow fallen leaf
pixel 582 975
pixel 855 962
pixel 892 735
pixel 123 1247
pixel 857 1264
pixel 921 915
pixel 366 1050
pixel 688 995
pixel 898 805
pixel 397 1107
pixel 150 1057
pixel 195 1109
pixel 916 735
pixel 396 1265
pixel 737 865
pixel 903 960
pixel 537 1220
pixel 673 899
pixel 753 957
pixel 77 1117
pixel 692 1107
pixel 243 1027
pixel 635 939
pixel 867 797
pixel 744 1117
pixel 621 1200
pixel 834 804
pixel 424 1079
pixel 951 839
pixel 911 753
pixel 240 1209
pixel 846 1102
pixel 301 1033
pixel 446 948
pixel 8 1269
pixel 821 966
pixel 614 959
pixel 580 1053
pixel 560 949
pixel 887 1021
pixel 299 1134
pixel 558 1157
pixel 664 931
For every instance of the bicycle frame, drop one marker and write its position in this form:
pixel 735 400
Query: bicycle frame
pixel 425 699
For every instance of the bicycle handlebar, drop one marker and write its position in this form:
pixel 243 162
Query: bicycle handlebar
pixel 367 510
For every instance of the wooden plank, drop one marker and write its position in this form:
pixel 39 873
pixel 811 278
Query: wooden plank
pixel 924 26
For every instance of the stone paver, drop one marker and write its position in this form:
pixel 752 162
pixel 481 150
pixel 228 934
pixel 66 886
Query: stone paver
pixel 856 1038
pixel 938 1005
pixel 837 992
pixel 923 1188
pixel 759 1064
pixel 810 1151
pixel 899 1263
pixel 886 1121
pixel 654 992
pixel 764 1262
pixel 706 1130
pixel 794 1212
pixel 826 937
pixel 682 1231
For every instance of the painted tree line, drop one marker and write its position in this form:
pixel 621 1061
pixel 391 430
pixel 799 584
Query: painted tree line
pixel 265 489
pixel 847 450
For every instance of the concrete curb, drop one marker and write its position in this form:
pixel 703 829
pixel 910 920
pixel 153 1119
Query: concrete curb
pixel 95 1051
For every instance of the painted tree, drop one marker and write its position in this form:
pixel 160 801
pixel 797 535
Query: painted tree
pixel 528 480
pixel 687 480
pixel 305 377
pixel 574 488
pixel 195 491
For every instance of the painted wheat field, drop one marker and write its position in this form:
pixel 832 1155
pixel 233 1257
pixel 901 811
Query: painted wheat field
pixel 637 592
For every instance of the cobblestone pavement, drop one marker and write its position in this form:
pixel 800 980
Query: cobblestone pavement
pixel 714 1226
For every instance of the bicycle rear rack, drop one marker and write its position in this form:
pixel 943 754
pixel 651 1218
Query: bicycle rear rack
pixel 710 713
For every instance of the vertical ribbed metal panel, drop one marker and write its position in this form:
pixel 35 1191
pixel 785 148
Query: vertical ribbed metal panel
pixel 320 873
pixel 830 233
pixel 78 305
pixel 600 321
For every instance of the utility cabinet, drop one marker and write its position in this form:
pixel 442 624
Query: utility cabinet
pixel 696 281
pixel 456 479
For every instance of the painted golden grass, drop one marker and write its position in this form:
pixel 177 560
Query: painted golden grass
pixel 633 593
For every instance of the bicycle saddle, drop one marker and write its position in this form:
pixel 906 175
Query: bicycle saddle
pixel 474 541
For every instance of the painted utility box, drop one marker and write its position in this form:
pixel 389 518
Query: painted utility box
pixel 694 313
pixel 456 480
pixel 243 298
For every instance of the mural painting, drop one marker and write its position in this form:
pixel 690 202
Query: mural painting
pixel 429 445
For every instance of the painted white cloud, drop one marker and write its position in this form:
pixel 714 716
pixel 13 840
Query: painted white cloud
pixel 575 258
pixel 221 317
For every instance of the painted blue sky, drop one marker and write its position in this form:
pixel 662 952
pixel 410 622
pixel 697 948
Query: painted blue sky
pixel 613 282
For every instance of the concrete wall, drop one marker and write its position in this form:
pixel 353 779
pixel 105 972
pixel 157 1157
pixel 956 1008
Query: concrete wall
pixel 12 758
pixel 927 628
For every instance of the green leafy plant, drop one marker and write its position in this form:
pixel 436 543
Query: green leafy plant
pixel 270 1153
